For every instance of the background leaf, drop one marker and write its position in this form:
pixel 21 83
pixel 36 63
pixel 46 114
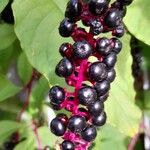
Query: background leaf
pixel 137 20
pixel 37 29
pixel 7 36
pixel 3 3
pixel 7 89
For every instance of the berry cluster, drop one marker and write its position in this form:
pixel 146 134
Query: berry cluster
pixel 86 103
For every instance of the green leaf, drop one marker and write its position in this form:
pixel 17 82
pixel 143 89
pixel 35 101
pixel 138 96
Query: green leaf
pixel 37 29
pixel 137 20
pixel 7 36
pixel 7 128
pixel 120 107
pixel 110 138
pixel 7 88
pixel 28 144
pixel 38 96
pixel 47 138
pixel 3 4
pixel 24 69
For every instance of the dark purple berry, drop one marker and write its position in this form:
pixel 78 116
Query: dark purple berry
pixel 89 133
pixel 98 7
pixel 82 49
pixel 112 18
pixel 55 106
pixel 67 145
pixel 86 95
pixel 97 71
pixel 96 27
pixel 111 75
pixel 64 68
pixel 119 31
pixel 117 45
pixel 96 108
pixel 73 10
pixel 103 46
pixel 110 60
pixel 102 87
pixel 57 94
pixel 65 50
pixel 103 98
pixel 99 120
pixel 62 117
pixel 125 2
pixel 58 127
pixel 66 28
pixel 76 123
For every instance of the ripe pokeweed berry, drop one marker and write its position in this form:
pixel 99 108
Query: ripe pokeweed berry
pixel 66 28
pixel 117 45
pixel 64 68
pixel 125 2
pixel 76 123
pixel 86 95
pixel 82 49
pixel 96 108
pixel 96 27
pixel 102 87
pixel 98 7
pixel 111 75
pixel 65 50
pixel 97 71
pixel 57 94
pixel 112 18
pixel 103 98
pixel 89 133
pixel 110 60
pixel 119 31
pixel 99 120
pixel 73 10
pixel 103 46
pixel 58 127
pixel 63 117
pixel 55 106
pixel 67 145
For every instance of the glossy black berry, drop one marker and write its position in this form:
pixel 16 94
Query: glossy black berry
pixel 110 60
pixel 117 45
pixel 99 120
pixel 64 68
pixel 63 117
pixel 89 133
pixel 66 28
pixel 103 98
pixel 103 46
pixel 119 31
pixel 125 2
pixel 57 95
pixel 57 127
pixel 96 108
pixel 98 7
pixel 76 123
pixel 96 27
pixel 55 106
pixel 111 75
pixel 82 49
pixel 65 50
pixel 67 145
pixel 112 18
pixel 73 10
pixel 102 87
pixel 86 95
pixel 97 71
